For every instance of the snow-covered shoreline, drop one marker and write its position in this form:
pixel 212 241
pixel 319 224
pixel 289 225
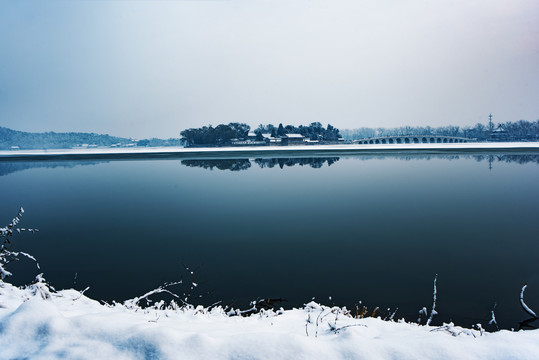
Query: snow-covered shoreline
pixel 35 323
pixel 345 149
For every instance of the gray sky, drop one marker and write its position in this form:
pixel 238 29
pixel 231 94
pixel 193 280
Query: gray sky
pixel 154 68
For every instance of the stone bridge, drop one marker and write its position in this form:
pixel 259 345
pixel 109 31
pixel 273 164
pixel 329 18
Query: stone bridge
pixel 413 139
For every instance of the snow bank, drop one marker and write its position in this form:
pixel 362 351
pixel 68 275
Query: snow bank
pixel 269 150
pixel 35 323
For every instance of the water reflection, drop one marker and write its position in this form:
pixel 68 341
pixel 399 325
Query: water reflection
pixel 319 162
pixel 315 163
pixel 221 164
pixel 244 164
pixel 9 167
pixel 519 159
pixel 529 324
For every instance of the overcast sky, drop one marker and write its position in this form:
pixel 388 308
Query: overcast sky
pixel 154 68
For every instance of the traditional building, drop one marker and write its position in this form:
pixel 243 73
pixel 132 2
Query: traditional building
pixel 292 139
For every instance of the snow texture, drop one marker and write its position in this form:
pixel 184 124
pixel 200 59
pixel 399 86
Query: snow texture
pixel 36 322
pixel 274 149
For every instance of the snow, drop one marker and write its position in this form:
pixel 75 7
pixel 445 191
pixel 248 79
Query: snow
pixel 36 322
pixel 273 150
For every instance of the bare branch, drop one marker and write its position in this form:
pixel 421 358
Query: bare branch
pixel 433 311
pixel 523 304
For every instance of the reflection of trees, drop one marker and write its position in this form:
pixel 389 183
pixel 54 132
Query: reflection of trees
pixel 519 159
pixel 221 164
pixel 8 167
pixel 318 162
pixel 426 157
pixel 315 163
pixel 244 164
pixel 410 157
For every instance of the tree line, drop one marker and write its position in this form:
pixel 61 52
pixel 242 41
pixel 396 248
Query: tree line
pixel 219 135
pixel 521 130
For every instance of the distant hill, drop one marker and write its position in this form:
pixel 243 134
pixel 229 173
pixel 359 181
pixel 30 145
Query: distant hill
pixel 10 139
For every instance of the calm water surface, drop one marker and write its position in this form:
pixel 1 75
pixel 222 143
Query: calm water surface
pixel 340 230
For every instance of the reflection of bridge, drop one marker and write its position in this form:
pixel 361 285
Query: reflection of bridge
pixel 413 139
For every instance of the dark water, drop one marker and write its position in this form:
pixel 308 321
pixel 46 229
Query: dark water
pixel 370 229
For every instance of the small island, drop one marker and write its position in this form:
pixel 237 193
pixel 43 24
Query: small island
pixel 239 134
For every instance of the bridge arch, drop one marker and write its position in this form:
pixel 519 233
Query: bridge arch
pixel 415 139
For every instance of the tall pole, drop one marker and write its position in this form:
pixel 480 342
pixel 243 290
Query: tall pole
pixel 490 126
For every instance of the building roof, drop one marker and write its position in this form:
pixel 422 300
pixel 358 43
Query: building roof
pixel 253 134
pixel 295 136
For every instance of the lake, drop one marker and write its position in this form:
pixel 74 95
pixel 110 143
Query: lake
pixel 337 229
